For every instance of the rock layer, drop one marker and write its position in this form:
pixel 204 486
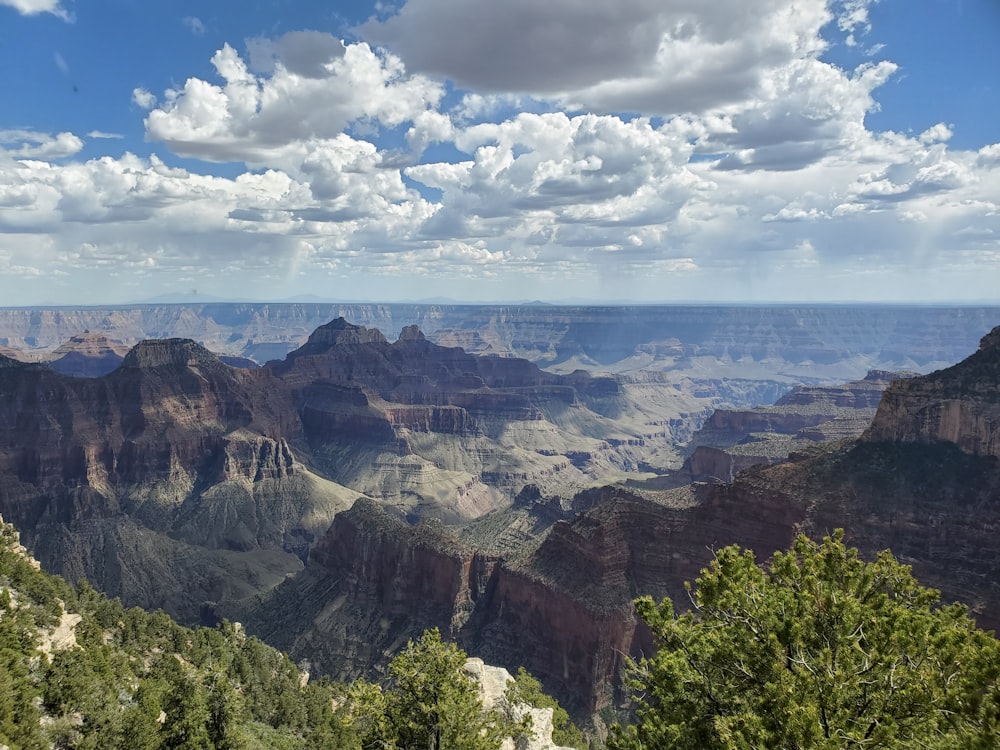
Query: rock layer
pixel 959 405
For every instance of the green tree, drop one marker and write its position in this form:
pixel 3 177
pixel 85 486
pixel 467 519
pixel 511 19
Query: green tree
pixel 820 650
pixel 434 704
pixel 142 727
pixel 187 712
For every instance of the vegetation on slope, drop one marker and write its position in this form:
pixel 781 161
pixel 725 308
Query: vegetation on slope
pixel 124 678
pixel 818 650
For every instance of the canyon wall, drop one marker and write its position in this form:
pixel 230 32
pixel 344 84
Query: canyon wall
pixel 959 405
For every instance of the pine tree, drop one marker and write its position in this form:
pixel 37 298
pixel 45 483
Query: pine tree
pixel 821 650
pixel 434 704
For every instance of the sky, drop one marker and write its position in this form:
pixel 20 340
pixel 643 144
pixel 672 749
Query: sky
pixel 645 151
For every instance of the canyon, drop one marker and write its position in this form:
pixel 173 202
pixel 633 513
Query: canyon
pixel 353 490
pixel 560 602
pixel 788 344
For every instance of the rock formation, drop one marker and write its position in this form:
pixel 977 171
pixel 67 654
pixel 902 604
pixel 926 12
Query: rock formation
pixel 732 440
pixel 167 481
pixel 960 405
pixel 432 430
pixel 784 344
pixel 562 606
pixel 88 355
pixel 493 682
pixel 176 480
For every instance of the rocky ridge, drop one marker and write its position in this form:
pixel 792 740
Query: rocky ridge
pixel 180 481
pixel 960 405
pixel 787 343
pixel 170 479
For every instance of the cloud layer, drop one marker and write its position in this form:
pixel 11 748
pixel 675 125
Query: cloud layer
pixel 507 149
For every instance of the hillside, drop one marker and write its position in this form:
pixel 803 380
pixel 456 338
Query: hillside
pixel 78 670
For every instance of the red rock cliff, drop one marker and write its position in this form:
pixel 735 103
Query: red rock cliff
pixel 959 405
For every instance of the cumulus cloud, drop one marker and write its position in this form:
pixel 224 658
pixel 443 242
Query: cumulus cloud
pixel 28 144
pixel 646 56
pixel 304 53
pixel 936 134
pixel 747 170
pixel 33 7
pixel 989 156
pixel 315 94
pixel 143 98
pixel 807 110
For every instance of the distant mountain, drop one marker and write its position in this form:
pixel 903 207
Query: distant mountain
pixel 780 344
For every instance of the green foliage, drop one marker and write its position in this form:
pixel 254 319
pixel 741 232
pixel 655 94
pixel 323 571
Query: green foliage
pixel 434 704
pixel 821 650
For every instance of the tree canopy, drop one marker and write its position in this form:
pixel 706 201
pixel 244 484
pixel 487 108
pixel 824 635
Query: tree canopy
pixel 818 650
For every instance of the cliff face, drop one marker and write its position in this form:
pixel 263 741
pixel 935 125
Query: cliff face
pixel 176 443
pixel 371 583
pixel 174 456
pixel 562 607
pixel 176 480
pixel 432 430
pixel 959 405
pixel 564 612
pixel 88 355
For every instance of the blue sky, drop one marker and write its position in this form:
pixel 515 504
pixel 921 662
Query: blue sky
pixel 487 150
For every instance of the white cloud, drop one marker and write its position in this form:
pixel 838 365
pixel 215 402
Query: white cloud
pixel 807 111
pixel 936 134
pixel 853 15
pixel 257 118
pixel 767 183
pixel 647 56
pixel 28 144
pixel 143 98
pixel 33 7
pixel 989 156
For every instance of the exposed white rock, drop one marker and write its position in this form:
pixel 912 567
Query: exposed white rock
pixel 61 637
pixel 493 683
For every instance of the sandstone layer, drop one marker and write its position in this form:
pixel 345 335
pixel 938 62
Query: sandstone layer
pixel 732 440
pixel 960 405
